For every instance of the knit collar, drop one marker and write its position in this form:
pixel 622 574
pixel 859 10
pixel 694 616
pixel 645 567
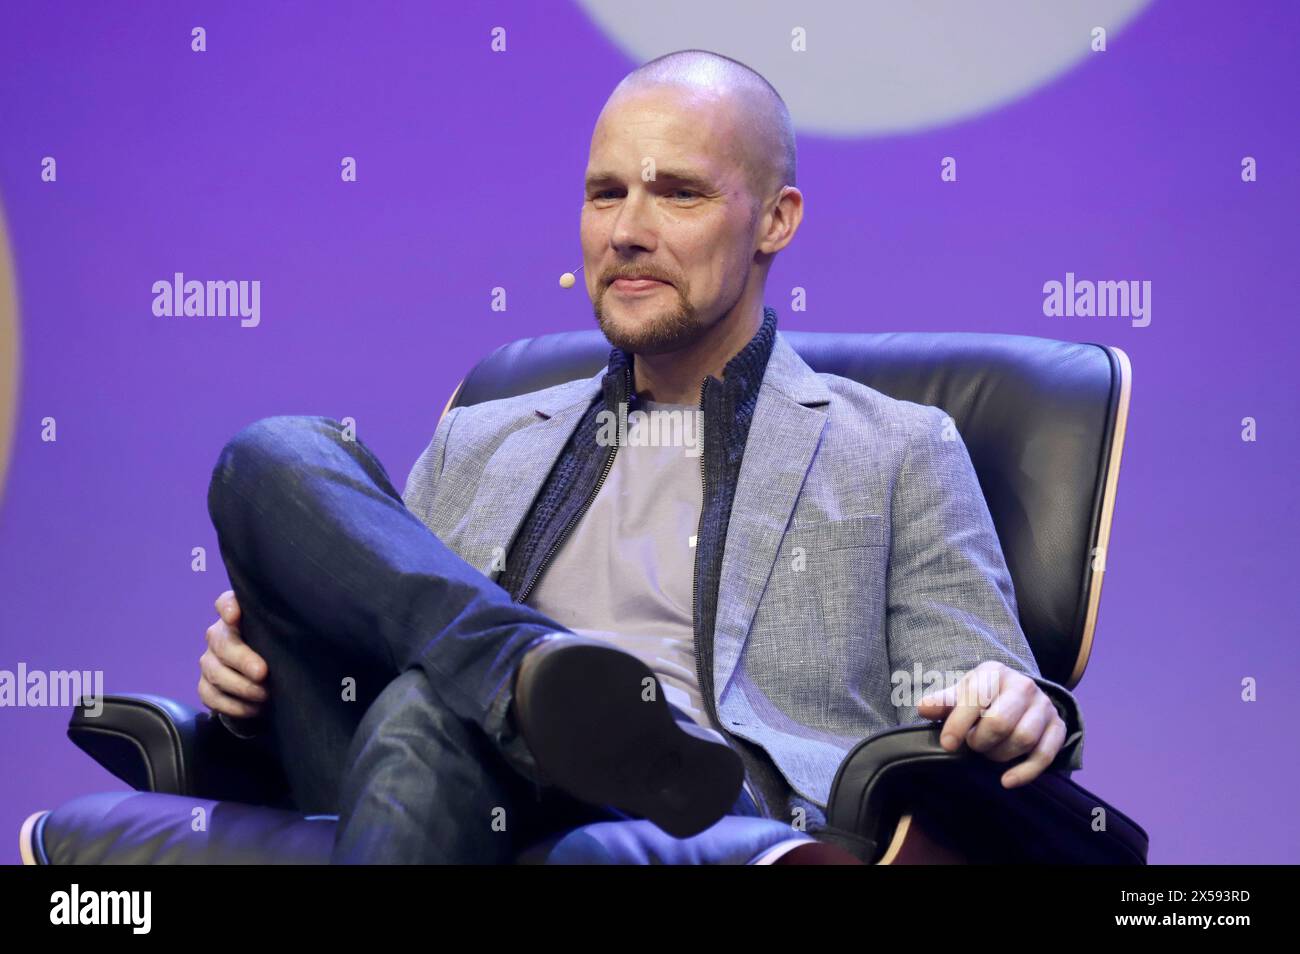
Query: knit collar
pixel 741 376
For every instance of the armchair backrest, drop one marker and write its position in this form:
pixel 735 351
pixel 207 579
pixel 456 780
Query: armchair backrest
pixel 1043 420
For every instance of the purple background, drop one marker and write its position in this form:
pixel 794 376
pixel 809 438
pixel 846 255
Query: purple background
pixel 375 301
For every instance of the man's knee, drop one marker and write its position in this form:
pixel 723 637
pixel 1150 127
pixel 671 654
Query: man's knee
pixel 263 456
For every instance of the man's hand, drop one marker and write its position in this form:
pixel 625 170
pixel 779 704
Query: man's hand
pixel 231 673
pixel 1001 714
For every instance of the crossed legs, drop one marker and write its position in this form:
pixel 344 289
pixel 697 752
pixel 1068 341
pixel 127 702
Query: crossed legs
pixel 346 593
pixel 341 589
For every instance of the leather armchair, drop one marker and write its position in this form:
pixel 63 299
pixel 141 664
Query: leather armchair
pixel 1044 422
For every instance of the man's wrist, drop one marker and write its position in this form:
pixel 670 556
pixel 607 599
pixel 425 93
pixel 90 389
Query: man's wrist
pixel 1070 755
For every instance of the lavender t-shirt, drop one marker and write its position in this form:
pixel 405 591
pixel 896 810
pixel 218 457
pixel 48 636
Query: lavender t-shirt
pixel 625 573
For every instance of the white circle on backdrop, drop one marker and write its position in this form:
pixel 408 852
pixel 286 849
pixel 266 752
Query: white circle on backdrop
pixel 876 67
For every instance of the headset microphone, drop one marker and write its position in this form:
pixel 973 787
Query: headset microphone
pixel 568 278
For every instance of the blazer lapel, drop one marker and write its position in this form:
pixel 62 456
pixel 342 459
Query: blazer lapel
pixel 514 475
pixel 783 436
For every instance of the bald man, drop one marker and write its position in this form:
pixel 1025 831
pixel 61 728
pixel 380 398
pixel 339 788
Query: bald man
pixel 565 695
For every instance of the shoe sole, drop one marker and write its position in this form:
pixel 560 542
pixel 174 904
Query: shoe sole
pixel 591 734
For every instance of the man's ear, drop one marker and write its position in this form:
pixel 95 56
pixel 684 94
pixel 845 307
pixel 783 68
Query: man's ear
pixel 787 213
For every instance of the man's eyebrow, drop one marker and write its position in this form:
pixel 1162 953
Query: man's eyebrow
pixel 671 176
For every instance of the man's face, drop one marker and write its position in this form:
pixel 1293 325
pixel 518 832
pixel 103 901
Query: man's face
pixel 691 226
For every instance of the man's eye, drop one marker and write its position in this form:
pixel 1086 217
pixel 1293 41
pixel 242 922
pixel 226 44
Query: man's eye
pixel 688 193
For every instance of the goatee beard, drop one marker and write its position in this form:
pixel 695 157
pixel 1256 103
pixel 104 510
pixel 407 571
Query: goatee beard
pixel 664 332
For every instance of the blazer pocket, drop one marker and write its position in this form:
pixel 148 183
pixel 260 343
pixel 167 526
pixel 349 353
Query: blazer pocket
pixel 831 584
pixel 863 530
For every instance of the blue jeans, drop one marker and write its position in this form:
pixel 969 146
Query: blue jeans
pixel 424 787
pixel 390 658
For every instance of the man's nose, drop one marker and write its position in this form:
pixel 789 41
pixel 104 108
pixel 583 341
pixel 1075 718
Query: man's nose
pixel 634 226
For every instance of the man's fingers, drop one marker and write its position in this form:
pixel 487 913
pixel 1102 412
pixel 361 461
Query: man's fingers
pixel 957 726
pixel 1024 737
pixel 229 681
pixel 935 705
pixel 231 650
pixel 1040 759
pixel 975 690
pixel 230 672
pixel 228 607
pixel 1003 716
pixel 218 701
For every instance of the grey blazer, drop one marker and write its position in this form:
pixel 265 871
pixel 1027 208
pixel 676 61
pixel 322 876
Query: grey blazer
pixel 860 555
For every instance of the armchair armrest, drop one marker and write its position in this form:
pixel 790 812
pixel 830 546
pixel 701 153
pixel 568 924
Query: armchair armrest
pixel 957 798
pixel 156 744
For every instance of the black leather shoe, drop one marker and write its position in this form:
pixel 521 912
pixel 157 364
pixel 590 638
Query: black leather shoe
pixel 579 707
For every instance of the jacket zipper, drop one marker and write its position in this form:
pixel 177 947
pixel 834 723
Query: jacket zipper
pixel 609 464
pixel 706 690
pixel 695 577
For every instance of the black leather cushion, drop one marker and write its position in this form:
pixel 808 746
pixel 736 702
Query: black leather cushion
pixel 148 828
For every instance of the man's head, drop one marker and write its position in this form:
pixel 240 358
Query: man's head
pixel 690 181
